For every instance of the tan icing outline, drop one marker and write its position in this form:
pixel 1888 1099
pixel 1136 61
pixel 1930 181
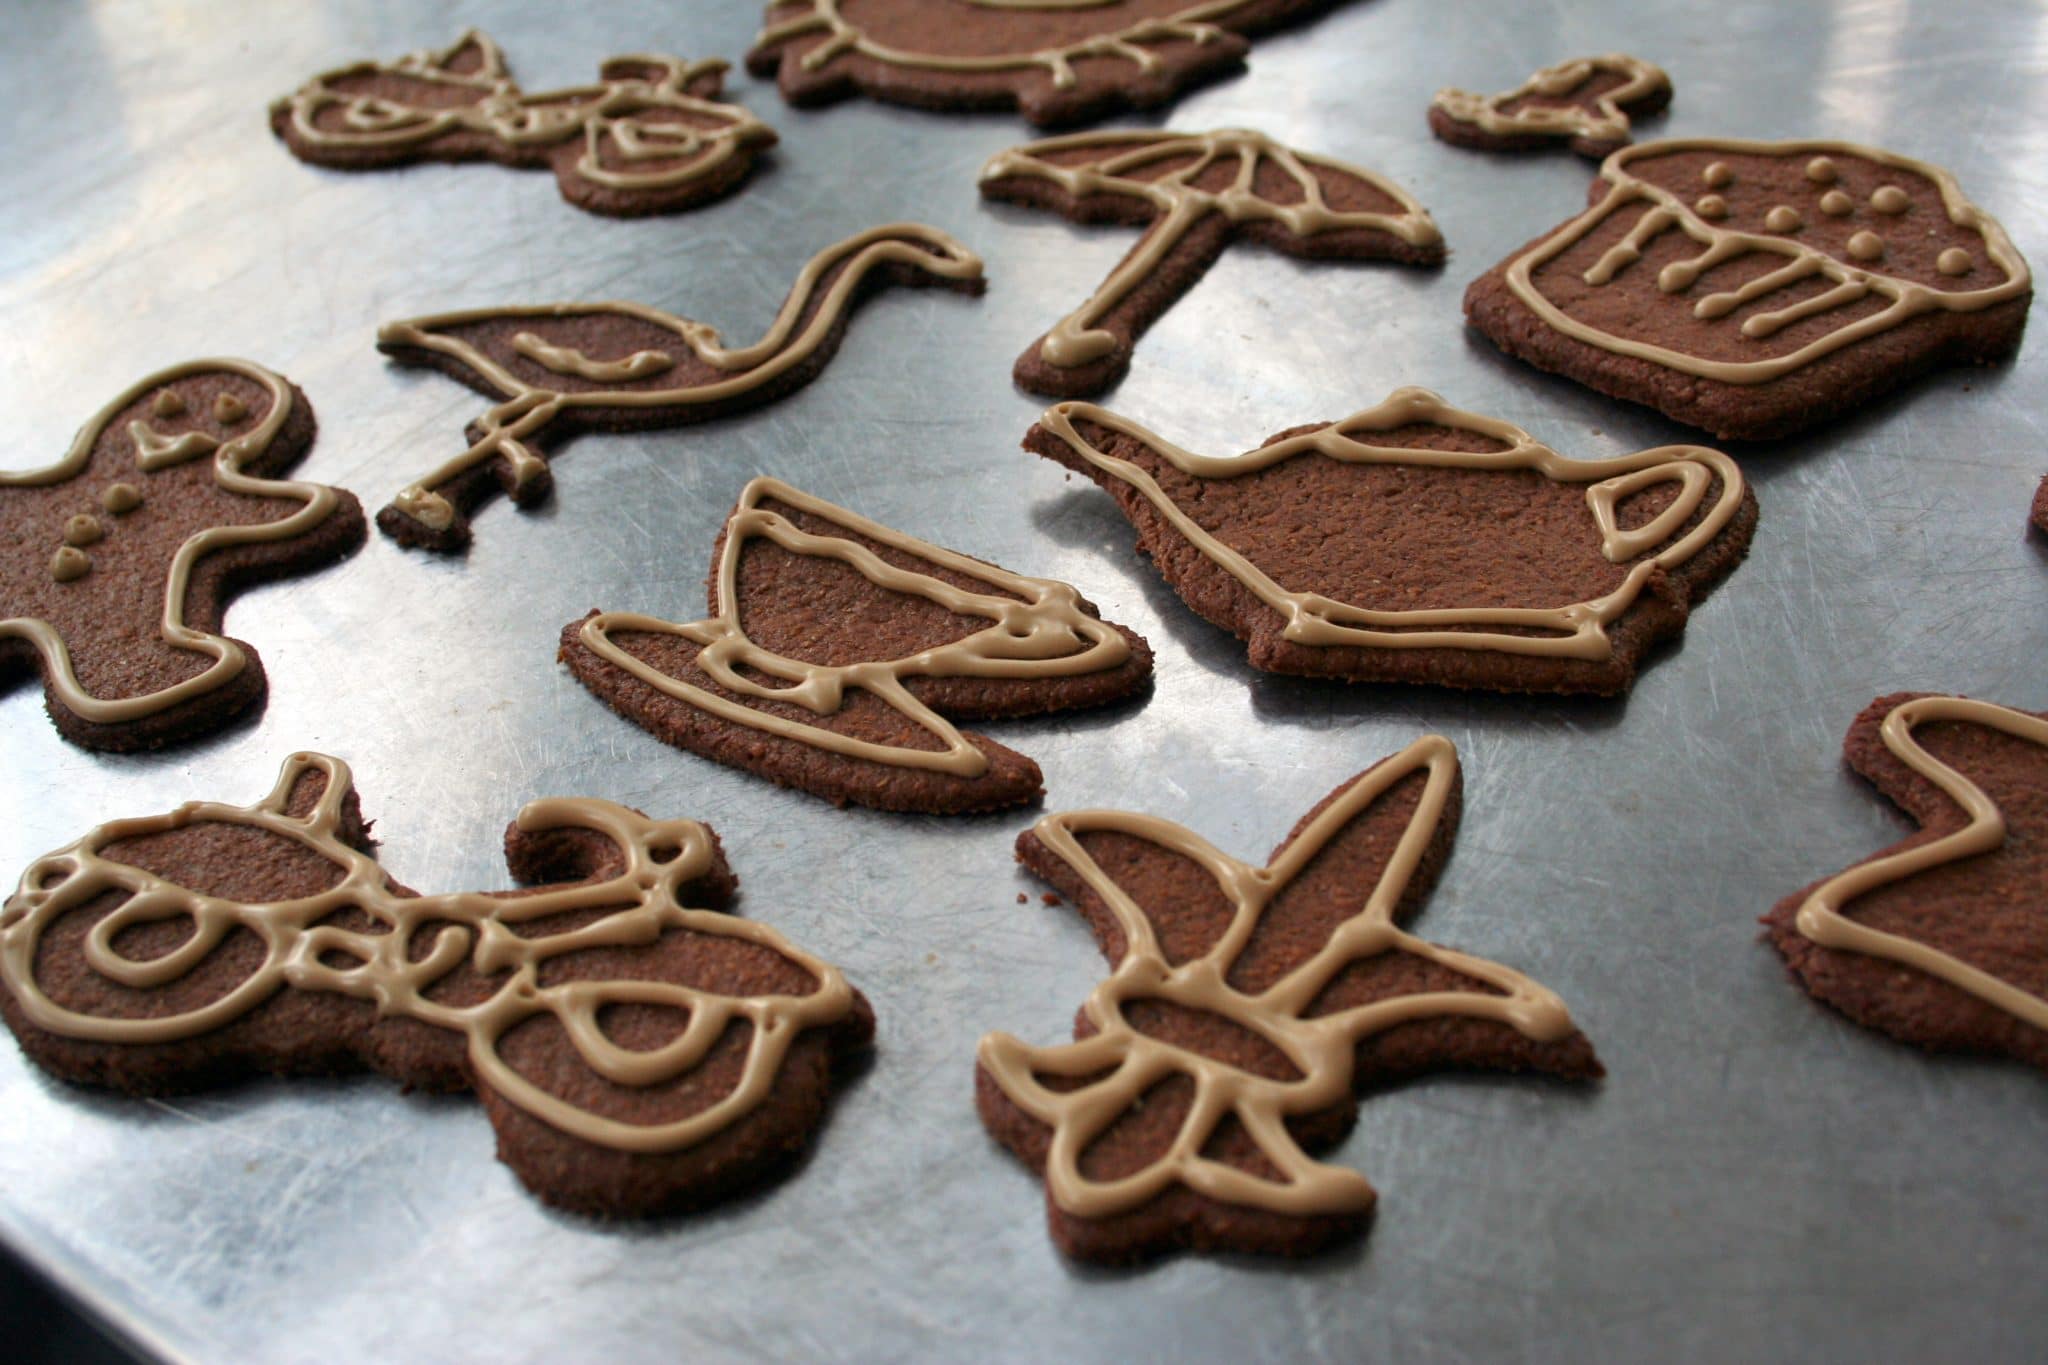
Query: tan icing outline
pixel 1820 916
pixel 547 119
pixel 642 900
pixel 153 452
pixel 1313 619
pixel 1045 635
pixel 1126 44
pixel 1556 82
pixel 529 408
pixel 1074 340
pixel 1909 299
pixel 1322 1049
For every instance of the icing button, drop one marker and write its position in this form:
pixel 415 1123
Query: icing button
pixel 121 498
pixel 1711 206
pixel 82 530
pixel 228 409
pixel 1821 171
pixel 1889 199
pixel 1784 218
pixel 1835 203
pixel 1866 246
pixel 1717 174
pixel 1954 261
pixel 167 404
pixel 70 563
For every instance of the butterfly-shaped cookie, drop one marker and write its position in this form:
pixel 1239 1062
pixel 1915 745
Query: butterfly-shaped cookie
pixel 1244 1008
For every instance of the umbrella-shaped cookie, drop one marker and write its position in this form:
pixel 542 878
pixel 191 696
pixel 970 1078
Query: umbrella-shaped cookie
pixel 1197 193
pixel 625 366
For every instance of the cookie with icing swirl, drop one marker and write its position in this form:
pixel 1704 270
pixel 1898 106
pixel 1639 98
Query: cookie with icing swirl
pixel 1585 103
pixel 1757 289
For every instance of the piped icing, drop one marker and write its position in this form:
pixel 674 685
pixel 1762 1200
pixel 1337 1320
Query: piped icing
pixel 1824 917
pixel 1849 281
pixel 1576 630
pixel 805 323
pixel 1108 1072
pixel 155 451
pixel 1036 629
pixel 1605 122
pixel 494 932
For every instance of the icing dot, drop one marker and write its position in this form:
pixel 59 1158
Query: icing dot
pixel 1889 199
pixel 1711 206
pixel 228 409
pixel 1954 261
pixel 1821 171
pixel 121 498
pixel 82 530
pixel 1784 218
pixel 1717 174
pixel 1835 203
pixel 167 404
pixel 1866 246
pixel 69 563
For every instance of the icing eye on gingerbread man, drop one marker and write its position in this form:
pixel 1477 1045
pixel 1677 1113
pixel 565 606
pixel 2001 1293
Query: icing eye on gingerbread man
pixel 1245 1007
pixel 650 137
pixel 119 573
pixel 636 1049
pixel 1414 542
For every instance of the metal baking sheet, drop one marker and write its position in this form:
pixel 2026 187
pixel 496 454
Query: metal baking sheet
pixel 1755 1178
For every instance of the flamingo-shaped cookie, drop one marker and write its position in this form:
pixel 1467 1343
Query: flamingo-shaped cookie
pixel 120 559
pixel 1941 939
pixel 650 137
pixel 633 1053
pixel 621 366
pixel 1244 1007
pixel 1414 542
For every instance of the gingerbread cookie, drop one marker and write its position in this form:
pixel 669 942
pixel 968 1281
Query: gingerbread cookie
pixel 1246 1007
pixel 635 1055
pixel 1194 193
pixel 836 650
pixel 2040 512
pixel 650 137
pixel 625 366
pixel 126 552
pixel 1758 288
pixel 1412 542
pixel 1941 939
pixel 1584 102
pixel 1060 61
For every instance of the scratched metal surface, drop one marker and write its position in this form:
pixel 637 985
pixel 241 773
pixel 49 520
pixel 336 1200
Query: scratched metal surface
pixel 1756 1177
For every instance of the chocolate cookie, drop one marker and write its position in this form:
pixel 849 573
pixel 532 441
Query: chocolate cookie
pixel 836 650
pixel 1759 288
pixel 1246 1007
pixel 1941 939
pixel 125 553
pixel 1584 103
pixel 1412 542
pixel 625 366
pixel 649 137
pixel 1060 61
pixel 1195 193
pixel 634 1055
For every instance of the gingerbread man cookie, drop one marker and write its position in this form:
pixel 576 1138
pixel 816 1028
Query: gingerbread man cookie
pixel 1195 194
pixel 635 1054
pixel 1941 939
pixel 1245 1007
pixel 650 137
pixel 124 554
pixel 1413 542
pixel 837 648
pixel 1060 61
pixel 1759 288
pixel 1584 103
pixel 625 366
